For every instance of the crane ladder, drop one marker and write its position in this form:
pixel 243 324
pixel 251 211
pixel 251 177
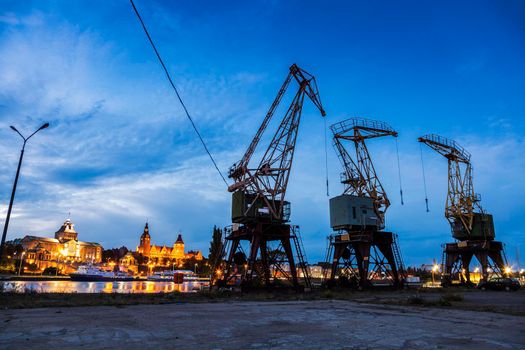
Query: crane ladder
pixel 301 257
pixel 397 255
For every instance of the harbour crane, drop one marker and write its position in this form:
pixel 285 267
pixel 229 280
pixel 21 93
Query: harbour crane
pixel 361 250
pixel 471 226
pixel 260 213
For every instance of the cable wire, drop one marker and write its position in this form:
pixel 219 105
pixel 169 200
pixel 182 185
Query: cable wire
pixel 424 177
pixel 176 91
pixel 326 158
pixel 399 173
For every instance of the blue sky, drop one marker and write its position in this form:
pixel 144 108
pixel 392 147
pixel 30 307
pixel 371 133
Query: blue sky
pixel 120 150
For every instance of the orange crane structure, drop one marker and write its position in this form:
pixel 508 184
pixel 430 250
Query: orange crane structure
pixel 472 227
pixel 260 213
pixel 361 251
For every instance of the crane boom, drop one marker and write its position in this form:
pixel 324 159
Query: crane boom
pixel 359 176
pixel 268 181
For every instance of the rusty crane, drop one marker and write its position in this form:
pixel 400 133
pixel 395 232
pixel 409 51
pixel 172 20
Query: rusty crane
pixel 471 226
pixel 361 250
pixel 260 213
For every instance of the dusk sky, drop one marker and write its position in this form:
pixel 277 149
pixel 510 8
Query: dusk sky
pixel 120 151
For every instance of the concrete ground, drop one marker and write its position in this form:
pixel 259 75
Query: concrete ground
pixel 321 324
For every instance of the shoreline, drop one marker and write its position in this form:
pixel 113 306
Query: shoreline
pixel 7 278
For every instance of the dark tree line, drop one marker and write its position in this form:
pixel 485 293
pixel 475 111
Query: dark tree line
pixel 114 254
pixel 216 247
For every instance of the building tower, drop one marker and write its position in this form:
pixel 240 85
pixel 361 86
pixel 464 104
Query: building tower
pixel 145 242
pixel 66 232
pixel 178 248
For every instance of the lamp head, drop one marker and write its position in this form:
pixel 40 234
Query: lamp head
pixel 12 127
pixel 44 126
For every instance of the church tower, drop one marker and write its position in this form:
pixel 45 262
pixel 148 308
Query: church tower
pixel 178 248
pixel 145 242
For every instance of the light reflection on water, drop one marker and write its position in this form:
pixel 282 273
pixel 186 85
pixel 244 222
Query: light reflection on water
pixel 100 287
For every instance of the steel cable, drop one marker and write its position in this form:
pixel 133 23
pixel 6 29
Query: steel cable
pixel 177 92
pixel 424 177
pixel 399 173
pixel 326 158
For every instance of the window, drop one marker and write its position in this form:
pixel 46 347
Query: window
pixel 354 213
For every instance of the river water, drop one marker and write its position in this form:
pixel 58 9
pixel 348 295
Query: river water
pixel 100 287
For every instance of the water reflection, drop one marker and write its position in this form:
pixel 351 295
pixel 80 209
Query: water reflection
pixel 100 287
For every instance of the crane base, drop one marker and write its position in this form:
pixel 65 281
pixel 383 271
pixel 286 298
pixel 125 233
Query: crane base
pixel 269 260
pixel 365 259
pixel 458 256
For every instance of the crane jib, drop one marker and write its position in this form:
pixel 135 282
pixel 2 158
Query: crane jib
pixel 269 179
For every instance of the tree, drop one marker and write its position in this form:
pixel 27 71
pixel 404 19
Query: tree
pixel 216 247
pixel 11 250
pixel 114 254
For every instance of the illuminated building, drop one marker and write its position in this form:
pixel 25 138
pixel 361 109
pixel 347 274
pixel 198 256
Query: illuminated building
pixel 65 247
pixel 164 255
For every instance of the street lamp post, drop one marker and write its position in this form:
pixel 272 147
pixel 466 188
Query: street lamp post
pixel 6 225
pixel 21 261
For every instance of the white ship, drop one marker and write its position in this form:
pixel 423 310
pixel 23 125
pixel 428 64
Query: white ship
pixel 92 273
pixel 166 276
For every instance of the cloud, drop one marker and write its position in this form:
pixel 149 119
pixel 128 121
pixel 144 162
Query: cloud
pixel 119 146
pixel 10 18
pixel 120 150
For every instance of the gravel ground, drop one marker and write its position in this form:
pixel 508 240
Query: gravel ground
pixel 320 324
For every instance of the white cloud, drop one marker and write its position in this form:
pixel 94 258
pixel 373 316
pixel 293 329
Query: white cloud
pixel 120 150
pixel 12 19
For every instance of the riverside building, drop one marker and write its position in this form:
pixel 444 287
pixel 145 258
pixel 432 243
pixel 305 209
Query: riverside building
pixel 64 249
pixel 165 255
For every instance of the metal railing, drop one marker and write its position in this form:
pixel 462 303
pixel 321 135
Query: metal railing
pixel 447 143
pixel 357 122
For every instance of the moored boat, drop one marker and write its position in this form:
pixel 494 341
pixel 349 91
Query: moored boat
pixel 161 276
pixel 94 274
